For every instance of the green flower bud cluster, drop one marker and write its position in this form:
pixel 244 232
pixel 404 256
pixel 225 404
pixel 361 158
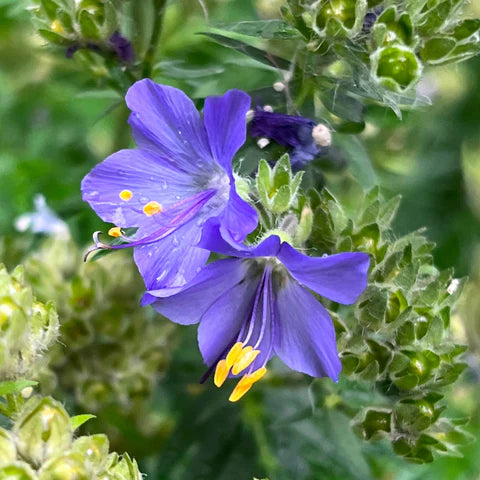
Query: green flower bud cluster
pixel 41 446
pixel 79 24
pixel 111 352
pixel 27 328
pixel 397 338
pixel 393 41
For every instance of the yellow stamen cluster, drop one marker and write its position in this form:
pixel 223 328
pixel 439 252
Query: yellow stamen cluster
pixel 125 195
pixel 115 232
pixel 237 360
pixel 152 208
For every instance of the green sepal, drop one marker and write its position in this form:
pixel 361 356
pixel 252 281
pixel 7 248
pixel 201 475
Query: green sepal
pixel 88 27
pixel 53 37
pixel 78 420
pixel 50 7
pixel 277 187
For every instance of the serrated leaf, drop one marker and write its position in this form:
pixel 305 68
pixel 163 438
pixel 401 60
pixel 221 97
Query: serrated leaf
pixel 13 386
pixel 78 420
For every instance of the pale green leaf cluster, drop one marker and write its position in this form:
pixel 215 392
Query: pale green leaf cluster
pixel 397 339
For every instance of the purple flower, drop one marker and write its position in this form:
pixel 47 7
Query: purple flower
pixel 258 304
pixel 180 176
pixel 302 137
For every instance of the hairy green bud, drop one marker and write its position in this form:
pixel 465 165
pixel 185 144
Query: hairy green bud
pixel 40 446
pixel 277 187
pixel 42 429
pixel 396 67
pixel 28 327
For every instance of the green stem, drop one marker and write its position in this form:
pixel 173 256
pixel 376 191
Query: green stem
pixel 149 60
pixel 122 129
pixel 253 418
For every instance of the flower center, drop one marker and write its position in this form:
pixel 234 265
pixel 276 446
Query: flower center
pixel 220 182
pixel 242 355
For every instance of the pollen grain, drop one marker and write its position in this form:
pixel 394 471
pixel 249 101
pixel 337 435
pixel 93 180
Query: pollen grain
pixel 152 208
pixel 125 195
pixel 115 232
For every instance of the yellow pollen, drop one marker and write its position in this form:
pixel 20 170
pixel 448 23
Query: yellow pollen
pixel 125 195
pixel 221 373
pixel 234 354
pixel 152 208
pixel 245 384
pixel 246 358
pixel 115 232
pixel 56 27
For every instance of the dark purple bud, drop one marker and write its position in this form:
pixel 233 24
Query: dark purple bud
pixel 122 47
pixel 371 18
pixel 301 136
pixel 71 50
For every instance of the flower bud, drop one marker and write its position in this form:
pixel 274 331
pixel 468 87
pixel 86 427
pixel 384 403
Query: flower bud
pixel 28 327
pixel 126 469
pixel 339 17
pixel 392 27
pixel 396 67
pixel 93 449
pixel 42 431
pixel 65 467
pixel 278 187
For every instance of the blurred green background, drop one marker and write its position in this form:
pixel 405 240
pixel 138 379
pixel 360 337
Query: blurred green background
pixel 57 121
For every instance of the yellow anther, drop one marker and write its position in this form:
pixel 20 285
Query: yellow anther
pixel 152 208
pixel 125 195
pixel 245 359
pixel 257 374
pixel 56 27
pixel 234 354
pixel 245 384
pixel 242 387
pixel 221 373
pixel 115 232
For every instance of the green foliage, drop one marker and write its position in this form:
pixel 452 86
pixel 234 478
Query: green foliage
pixel 111 352
pixel 27 329
pixel 40 446
pixel 349 51
pixel 398 337
pixel 277 187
